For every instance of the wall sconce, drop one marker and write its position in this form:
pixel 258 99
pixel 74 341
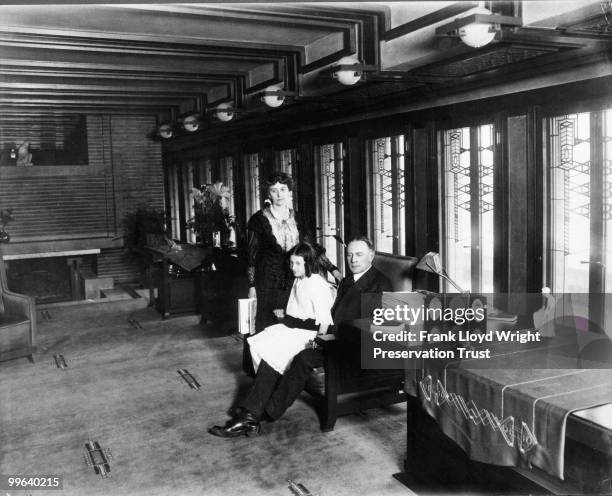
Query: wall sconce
pixel 191 123
pixel 165 130
pixel 478 27
pixel 224 112
pixel 348 71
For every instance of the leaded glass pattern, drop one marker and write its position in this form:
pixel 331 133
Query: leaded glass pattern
pixel 173 194
pixel 226 176
pixel 570 177
pixel 486 206
pixel 187 175
pixel 204 172
pixel 469 206
pixel 252 181
pixel 457 206
pixel 287 163
pixel 607 210
pixel 330 216
pixel 387 175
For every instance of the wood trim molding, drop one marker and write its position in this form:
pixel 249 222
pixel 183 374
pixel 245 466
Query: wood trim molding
pixel 428 20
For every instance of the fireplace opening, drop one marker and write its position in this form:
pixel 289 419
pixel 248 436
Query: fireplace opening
pixel 45 279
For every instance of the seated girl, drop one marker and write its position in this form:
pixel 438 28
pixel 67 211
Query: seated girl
pixel 273 349
pixel 308 313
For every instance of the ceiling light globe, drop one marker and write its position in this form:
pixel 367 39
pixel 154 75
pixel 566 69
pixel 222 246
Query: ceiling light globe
pixel 348 77
pixel 224 114
pixel 477 34
pixel 165 131
pixel 272 100
pixel 191 123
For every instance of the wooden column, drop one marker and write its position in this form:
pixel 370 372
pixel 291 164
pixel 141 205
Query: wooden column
pixel 306 185
pixel 355 200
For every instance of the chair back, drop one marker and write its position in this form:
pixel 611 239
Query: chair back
pixel 399 269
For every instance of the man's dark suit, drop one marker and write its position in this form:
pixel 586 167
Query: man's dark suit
pixel 274 393
pixel 348 300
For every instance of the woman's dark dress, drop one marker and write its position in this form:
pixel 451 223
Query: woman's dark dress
pixel 269 261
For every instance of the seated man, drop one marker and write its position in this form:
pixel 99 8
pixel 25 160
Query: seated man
pixel 272 393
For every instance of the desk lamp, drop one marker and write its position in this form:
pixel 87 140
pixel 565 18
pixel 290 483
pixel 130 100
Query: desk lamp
pixel 431 263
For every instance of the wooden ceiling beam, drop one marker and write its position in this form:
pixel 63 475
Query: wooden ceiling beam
pixel 202 49
pixel 43 111
pixel 71 84
pixel 282 17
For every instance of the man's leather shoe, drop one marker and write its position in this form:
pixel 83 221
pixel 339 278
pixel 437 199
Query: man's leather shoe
pixel 245 425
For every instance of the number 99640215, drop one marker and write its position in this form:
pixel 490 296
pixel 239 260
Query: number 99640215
pixel 10 481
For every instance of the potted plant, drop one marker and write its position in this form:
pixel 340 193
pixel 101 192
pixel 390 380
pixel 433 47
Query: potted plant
pixel 212 221
pixel 142 227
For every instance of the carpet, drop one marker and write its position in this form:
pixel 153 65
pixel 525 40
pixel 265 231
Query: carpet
pixel 122 389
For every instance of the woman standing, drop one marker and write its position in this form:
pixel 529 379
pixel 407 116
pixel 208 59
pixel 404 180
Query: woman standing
pixel 272 232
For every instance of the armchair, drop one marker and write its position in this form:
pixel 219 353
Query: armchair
pixel 17 322
pixel 341 387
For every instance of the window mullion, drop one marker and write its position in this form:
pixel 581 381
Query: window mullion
pixel 475 209
pixel 596 269
pixel 395 197
pixel 339 206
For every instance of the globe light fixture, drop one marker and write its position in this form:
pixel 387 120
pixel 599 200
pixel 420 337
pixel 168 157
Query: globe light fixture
pixel 348 71
pixel 191 123
pixel 224 112
pixel 478 27
pixel 165 130
pixel 273 96
pixel 477 34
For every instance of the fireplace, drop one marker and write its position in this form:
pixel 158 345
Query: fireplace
pixel 46 279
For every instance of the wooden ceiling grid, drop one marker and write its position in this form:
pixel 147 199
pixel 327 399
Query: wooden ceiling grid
pixel 169 59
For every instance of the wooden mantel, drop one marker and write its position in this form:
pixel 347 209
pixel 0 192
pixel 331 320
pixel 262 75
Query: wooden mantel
pixel 57 248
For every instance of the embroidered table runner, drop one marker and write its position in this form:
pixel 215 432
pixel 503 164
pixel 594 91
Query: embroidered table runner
pixel 510 413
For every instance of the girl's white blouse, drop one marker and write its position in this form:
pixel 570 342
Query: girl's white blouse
pixel 311 298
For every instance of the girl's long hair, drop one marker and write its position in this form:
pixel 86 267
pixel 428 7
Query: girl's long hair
pixel 307 252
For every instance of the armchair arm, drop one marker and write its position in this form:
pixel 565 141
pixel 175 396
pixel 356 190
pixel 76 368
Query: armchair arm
pixel 340 357
pixel 17 303
pixel 345 342
pixel 21 305
pixel 330 346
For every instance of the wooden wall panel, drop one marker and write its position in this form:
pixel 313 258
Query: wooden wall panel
pixel 138 180
pixel 112 262
pixel 88 201
pixel 58 207
pixel 424 178
pixel 99 141
pixel 356 219
pixel 518 264
pixel 137 165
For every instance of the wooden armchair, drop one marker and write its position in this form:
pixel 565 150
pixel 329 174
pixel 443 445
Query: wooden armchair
pixel 17 322
pixel 341 386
